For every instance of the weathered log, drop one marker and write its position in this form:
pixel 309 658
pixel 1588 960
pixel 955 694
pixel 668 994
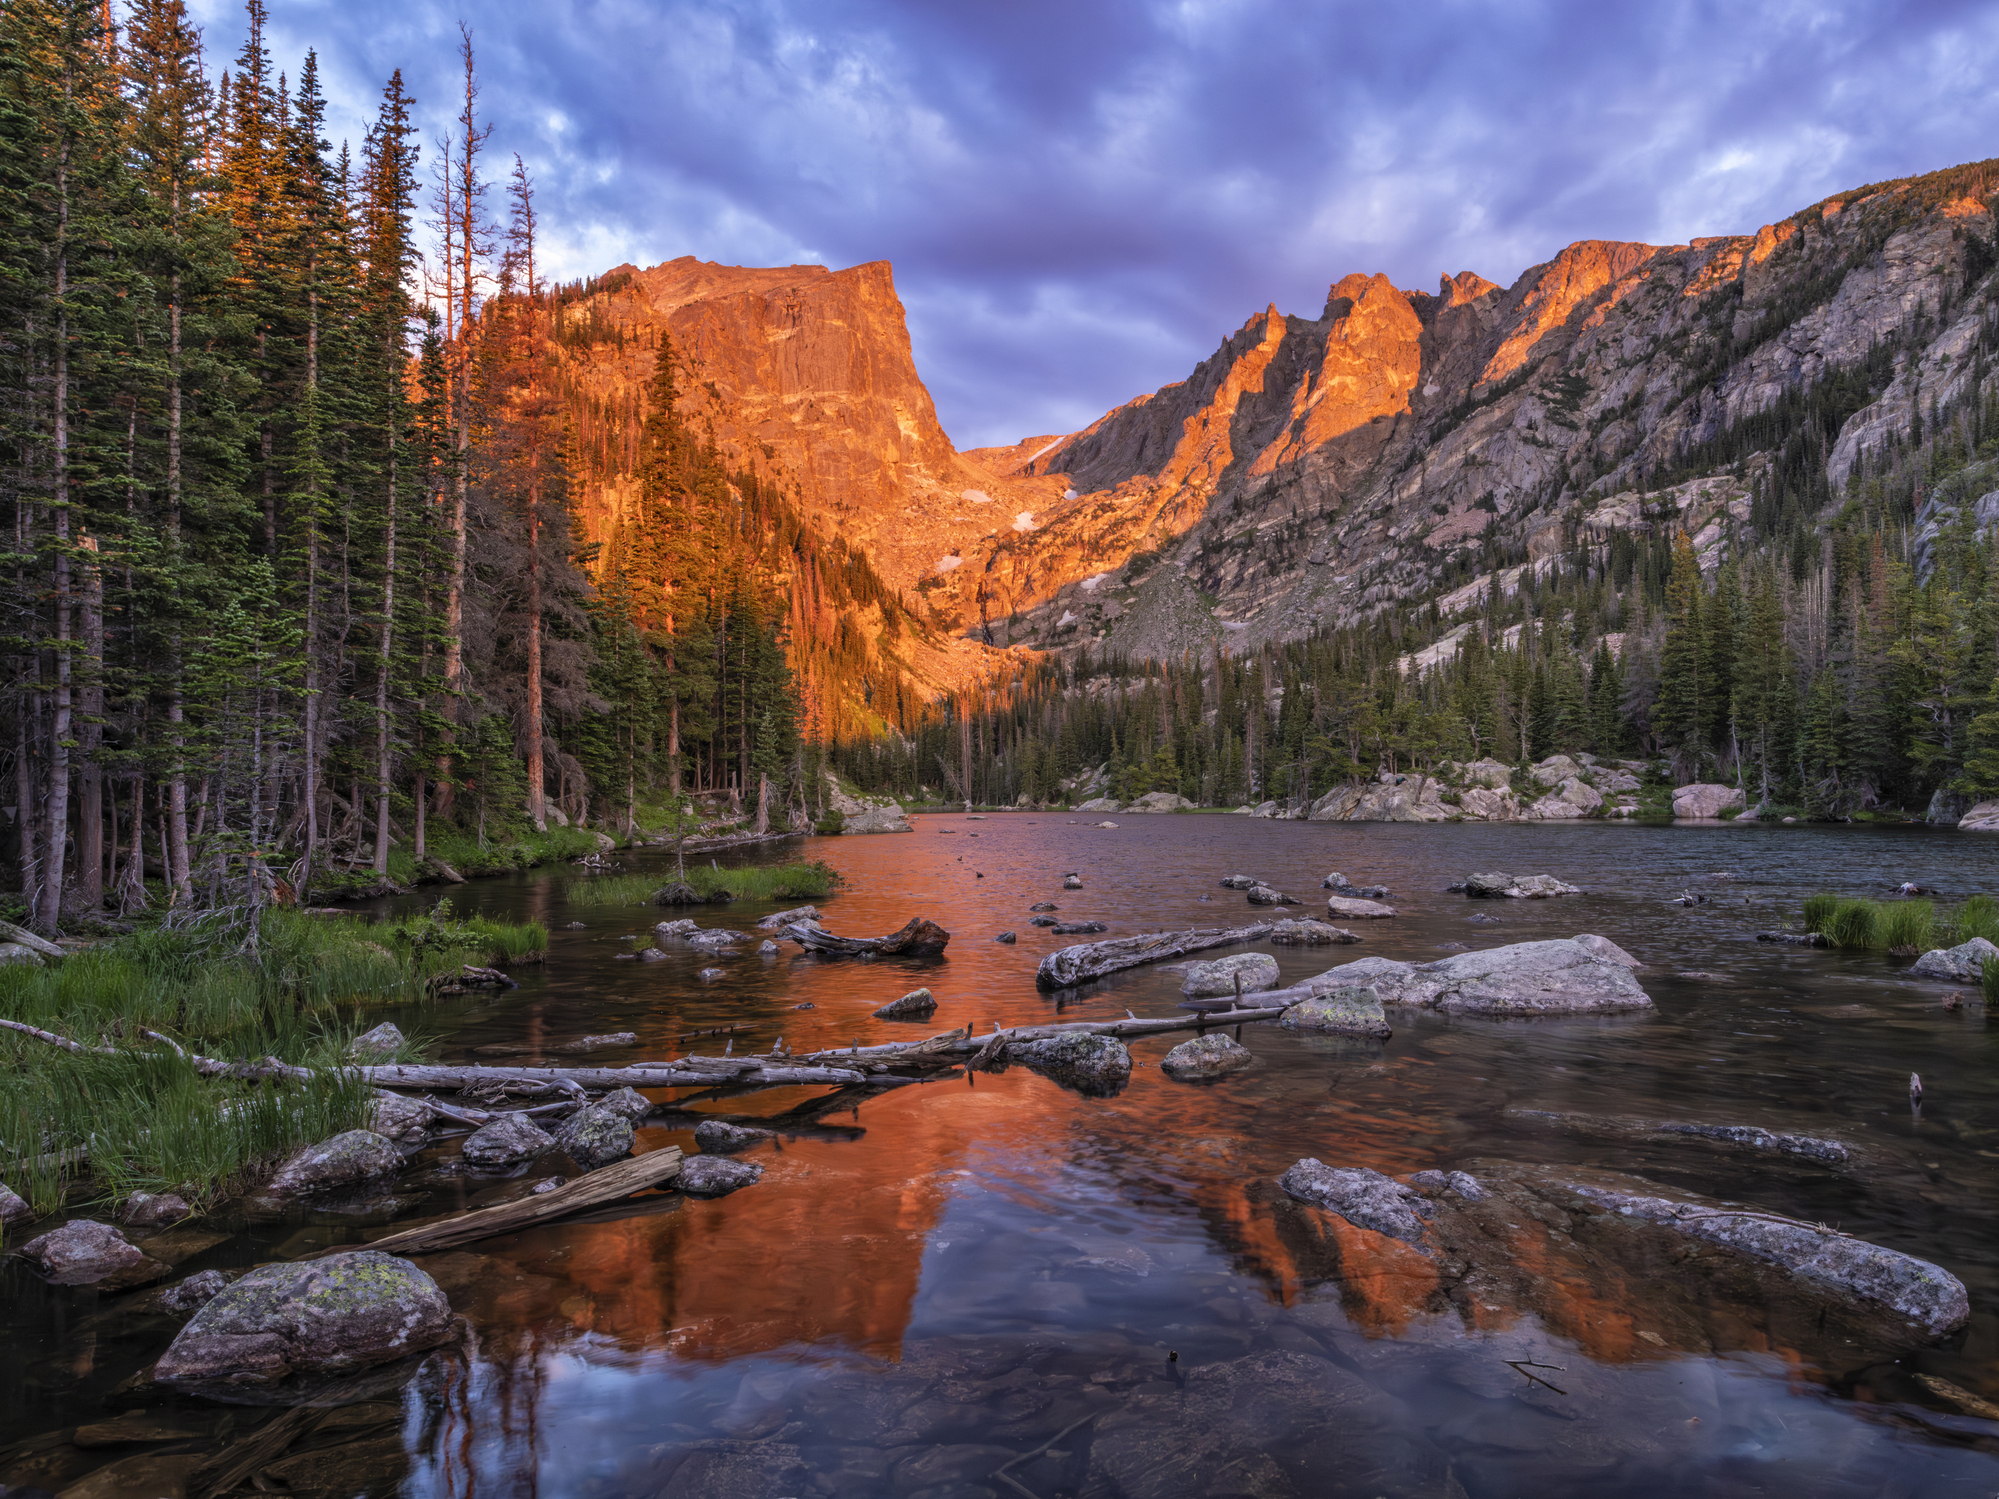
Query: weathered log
pixel 239 1461
pixel 653 1169
pixel 11 933
pixel 958 1043
pixel 919 939
pixel 693 1072
pixel 1070 966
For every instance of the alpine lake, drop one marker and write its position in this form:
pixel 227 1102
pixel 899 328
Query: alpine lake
pixel 988 1284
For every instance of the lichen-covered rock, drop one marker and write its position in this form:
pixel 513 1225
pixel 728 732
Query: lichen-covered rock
pixel 346 1160
pixel 13 1207
pixel 717 1176
pixel 1308 933
pixel 1363 1197
pixel 912 1006
pixel 633 1104
pixel 1557 977
pixel 86 1253
pixel 193 1293
pixel 1217 977
pixel 1099 1066
pixel 153 1209
pixel 1573 798
pixel 506 1141
pixel 1346 1011
pixel 384 1040
pixel 1211 1055
pixel 718 1137
pixel 331 1315
pixel 1705 801
pixel 594 1136
pixel 1554 770
pixel 1516 887
pixel 1964 964
pixel 404 1120
pixel 1350 909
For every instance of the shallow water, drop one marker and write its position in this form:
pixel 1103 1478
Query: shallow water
pixel 943 1279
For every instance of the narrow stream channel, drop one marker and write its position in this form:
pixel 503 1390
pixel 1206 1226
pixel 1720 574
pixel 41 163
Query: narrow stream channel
pixel 956 1274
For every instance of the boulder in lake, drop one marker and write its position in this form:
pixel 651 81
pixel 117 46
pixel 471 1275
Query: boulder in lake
pixel 403 1120
pixel 1241 882
pixel 1702 801
pixel 384 1040
pixel 912 1006
pixel 1352 1010
pixel 1263 895
pixel 1964 964
pixel 1072 882
pixel 712 941
pixel 718 1137
pixel 1217 977
pixel 1211 1055
pixel 709 975
pixel 506 1141
pixel 194 1293
pixel 1007 937
pixel 1079 928
pixel 767 949
pixel 1098 1066
pixel 86 1253
pixel 153 1209
pixel 1364 1197
pixel 1606 949
pixel 1561 976
pixel 717 1176
pixel 647 955
pixel 630 1102
pixel 1350 909
pixel 1309 933
pixel 667 931
pixel 595 1136
pixel 346 1160
pixel 13 1207
pixel 331 1315
pixel 1496 886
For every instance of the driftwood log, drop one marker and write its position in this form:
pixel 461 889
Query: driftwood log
pixel 1069 966
pixel 11 933
pixel 655 1168
pixel 919 939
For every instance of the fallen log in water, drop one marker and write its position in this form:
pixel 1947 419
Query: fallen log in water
pixel 1070 966
pixel 919 939
pixel 656 1168
pixel 950 1045
pixel 690 1072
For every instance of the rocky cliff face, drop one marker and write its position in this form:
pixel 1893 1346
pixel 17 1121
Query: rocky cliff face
pixel 1405 444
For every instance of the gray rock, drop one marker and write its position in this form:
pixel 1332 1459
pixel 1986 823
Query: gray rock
pixel 13 1207
pixel 1308 933
pixel 547 1184
pixel 1099 1066
pixel 507 1141
pixel 629 1102
pixel 1516 887
pixel 1705 801
pixel 1241 882
pixel 19 955
pixel 1263 895
pixel 1964 964
pixel 1044 921
pixel 717 1176
pixel 648 955
pixel 719 1138
pixel 1068 966
pixel 1606 949
pixel 1982 818
pixel 712 941
pixel 1007 937
pixel 1574 798
pixel 1217 977
pixel 1072 882
pixel 912 1006
pixel 331 1315
pixel 1794 939
pixel 1356 910
pixel 1556 977
pixel 595 1136
pixel 1448 1183
pixel 1363 1197
pixel 194 1293
pixel 346 1160
pixel 86 1253
pixel 1100 804
pixel 666 931
pixel 1078 928
pixel 1044 905
pixel 1211 1055
pixel 404 1120
pixel 709 975
pixel 384 1040
pixel 1161 801
pixel 779 920
pixel 153 1210
pixel 767 949
pixel 1347 1011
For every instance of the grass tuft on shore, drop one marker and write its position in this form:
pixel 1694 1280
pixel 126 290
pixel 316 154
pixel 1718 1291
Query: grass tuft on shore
pixel 1901 926
pixel 814 881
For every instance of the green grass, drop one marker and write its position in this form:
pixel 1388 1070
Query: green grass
pixel 814 881
pixel 1988 978
pixel 1899 925
pixel 437 935
pixel 464 853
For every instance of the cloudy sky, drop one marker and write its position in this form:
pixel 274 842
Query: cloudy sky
pixel 1082 197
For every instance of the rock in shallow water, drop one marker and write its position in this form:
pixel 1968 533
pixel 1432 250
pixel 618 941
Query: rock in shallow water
pixel 86 1253
pixel 719 1137
pixel 1516 887
pixel 342 1312
pixel 384 1040
pixel 1309 933
pixel 595 1136
pixel 717 1176
pixel 1211 1055
pixel 1099 1066
pixel 1362 1196
pixel 629 1102
pixel 1350 1011
pixel 1217 977
pixel 1561 976
pixel 195 1292
pixel 1964 964
pixel 13 1207
pixel 913 1005
pixel 1351 909
pixel 507 1141
pixel 346 1160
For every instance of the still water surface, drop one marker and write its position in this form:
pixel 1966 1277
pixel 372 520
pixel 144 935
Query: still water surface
pixel 954 1275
